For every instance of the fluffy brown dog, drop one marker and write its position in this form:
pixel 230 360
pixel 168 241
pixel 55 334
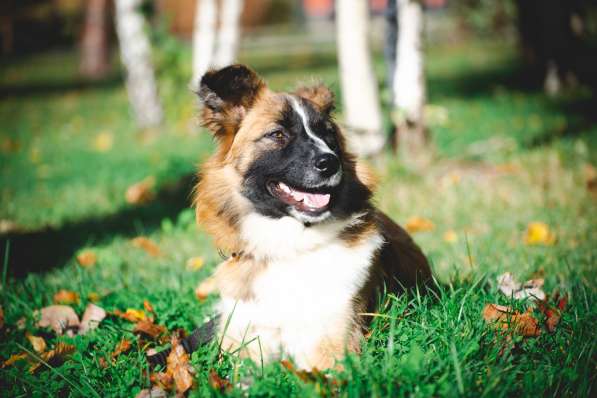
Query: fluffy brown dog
pixel 309 252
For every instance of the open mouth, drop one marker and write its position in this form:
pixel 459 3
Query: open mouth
pixel 308 202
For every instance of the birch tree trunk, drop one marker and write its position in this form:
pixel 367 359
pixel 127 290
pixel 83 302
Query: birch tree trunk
pixel 204 36
pixel 135 52
pixel 229 33
pixel 94 41
pixel 360 96
pixel 409 80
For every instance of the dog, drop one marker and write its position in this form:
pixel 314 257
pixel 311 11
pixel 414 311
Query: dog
pixel 309 253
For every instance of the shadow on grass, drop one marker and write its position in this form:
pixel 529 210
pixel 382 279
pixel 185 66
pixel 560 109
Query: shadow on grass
pixel 40 251
pixel 57 86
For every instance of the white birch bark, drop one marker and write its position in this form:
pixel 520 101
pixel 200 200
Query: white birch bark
pixel 360 97
pixel 204 36
pixel 229 33
pixel 409 79
pixel 135 53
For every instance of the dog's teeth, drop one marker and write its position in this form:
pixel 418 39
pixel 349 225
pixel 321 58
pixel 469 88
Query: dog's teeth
pixel 284 187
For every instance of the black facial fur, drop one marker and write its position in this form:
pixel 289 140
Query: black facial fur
pixel 293 164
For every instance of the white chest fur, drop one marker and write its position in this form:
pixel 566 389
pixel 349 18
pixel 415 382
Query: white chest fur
pixel 306 288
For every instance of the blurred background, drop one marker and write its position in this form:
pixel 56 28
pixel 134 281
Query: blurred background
pixel 100 139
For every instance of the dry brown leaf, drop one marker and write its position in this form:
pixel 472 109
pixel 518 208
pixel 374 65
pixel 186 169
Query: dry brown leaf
pixel 146 244
pixel 507 319
pixel 218 383
pixel 64 296
pixel 512 288
pixel 553 313
pixel 1 317
pixel 149 329
pixel 103 363
pixel 38 343
pixel 131 315
pixel 162 379
pixel 92 316
pixel 178 366
pixel 148 307
pixel 538 233
pixel 141 192
pixel 53 357
pixel 61 318
pixel 87 258
pixel 14 358
pixel 419 224
pixel 154 392
pixel 122 347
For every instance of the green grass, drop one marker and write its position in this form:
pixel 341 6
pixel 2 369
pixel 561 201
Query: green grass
pixel 506 156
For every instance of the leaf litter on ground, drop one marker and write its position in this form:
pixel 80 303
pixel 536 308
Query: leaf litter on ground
pixel 64 296
pixel 149 246
pixel 179 372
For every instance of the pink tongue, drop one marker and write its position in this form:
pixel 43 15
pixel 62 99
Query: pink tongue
pixel 316 199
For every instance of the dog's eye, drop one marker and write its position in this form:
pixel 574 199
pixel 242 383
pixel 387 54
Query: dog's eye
pixel 277 135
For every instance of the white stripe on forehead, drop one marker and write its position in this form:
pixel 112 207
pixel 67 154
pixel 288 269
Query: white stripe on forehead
pixel 300 110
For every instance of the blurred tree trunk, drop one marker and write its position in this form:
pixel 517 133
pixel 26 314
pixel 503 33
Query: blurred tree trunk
pixel 204 37
pixel 409 81
pixel 135 52
pixel 360 99
pixel 229 33
pixel 94 41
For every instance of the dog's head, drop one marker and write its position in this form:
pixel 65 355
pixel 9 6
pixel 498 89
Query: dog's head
pixel 283 151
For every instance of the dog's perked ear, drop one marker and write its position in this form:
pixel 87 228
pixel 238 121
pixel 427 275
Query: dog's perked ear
pixel 320 95
pixel 227 94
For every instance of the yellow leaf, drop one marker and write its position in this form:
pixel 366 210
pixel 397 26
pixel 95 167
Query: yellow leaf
pixel 146 244
pixel 103 141
pixel 94 297
pixel 419 224
pixel 54 357
pixel 38 343
pixel 14 358
pixel 538 233
pixel 195 263
pixel 131 315
pixel 86 258
pixel 450 236
pixel 66 297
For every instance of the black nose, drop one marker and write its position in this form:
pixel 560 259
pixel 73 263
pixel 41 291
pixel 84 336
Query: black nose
pixel 328 164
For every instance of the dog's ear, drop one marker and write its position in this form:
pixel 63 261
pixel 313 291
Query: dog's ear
pixel 227 94
pixel 320 95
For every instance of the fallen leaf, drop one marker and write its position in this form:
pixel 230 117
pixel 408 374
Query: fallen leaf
pixel 131 315
pixel 86 258
pixel 54 357
pixel 92 316
pixel 148 307
pixel 538 233
pixel 162 379
pixel 38 343
pixel 149 329
pixel 562 302
pixel 512 288
pixel 14 358
pixel 103 141
pixel 122 347
pixel 103 363
pixel 94 297
pixel 154 392
pixel 450 236
pixel 178 366
pixel 146 244
pixel 507 319
pixel 218 383
pixel 140 192
pixel 419 224
pixel 195 263
pixel 66 297
pixel 553 313
pixel 61 318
